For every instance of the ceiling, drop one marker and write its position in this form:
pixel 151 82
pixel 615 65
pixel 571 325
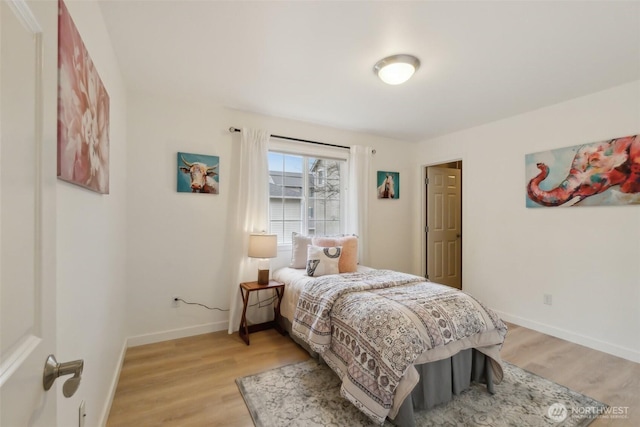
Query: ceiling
pixel 313 61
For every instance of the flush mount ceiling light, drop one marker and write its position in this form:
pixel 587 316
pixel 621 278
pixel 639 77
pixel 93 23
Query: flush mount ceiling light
pixel 396 69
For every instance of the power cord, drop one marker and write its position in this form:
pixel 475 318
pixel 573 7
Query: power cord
pixel 266 303
pixel 176 299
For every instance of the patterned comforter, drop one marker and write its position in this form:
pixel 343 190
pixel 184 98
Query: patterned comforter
pixel 371 328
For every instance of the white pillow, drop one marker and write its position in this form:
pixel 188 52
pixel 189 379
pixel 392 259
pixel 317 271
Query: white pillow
pixel 323 261
pixel 299 243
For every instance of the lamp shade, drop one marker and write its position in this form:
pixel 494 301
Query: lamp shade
pixel 263 246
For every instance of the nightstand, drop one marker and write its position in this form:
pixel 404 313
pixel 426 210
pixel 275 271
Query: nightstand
pixel 245 290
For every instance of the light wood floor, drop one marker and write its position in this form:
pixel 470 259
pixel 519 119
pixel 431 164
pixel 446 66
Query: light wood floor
pixel 191 381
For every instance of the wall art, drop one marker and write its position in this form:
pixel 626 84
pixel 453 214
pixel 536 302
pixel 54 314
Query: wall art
pixel 83 112
pixel 198 173
pixel 595 174
pixel 388 185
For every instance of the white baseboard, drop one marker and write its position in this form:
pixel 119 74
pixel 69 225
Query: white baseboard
pixel 616 350
pixel 177 333
pixel 112 388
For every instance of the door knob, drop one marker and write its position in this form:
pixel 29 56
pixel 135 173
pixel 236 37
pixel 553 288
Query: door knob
pixel 53 370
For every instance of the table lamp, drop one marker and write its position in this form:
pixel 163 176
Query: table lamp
pixel 263 247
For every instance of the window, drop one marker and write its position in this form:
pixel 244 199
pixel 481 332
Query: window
pixel 305 195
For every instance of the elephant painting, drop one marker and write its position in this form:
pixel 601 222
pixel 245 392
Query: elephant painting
pixel 601 173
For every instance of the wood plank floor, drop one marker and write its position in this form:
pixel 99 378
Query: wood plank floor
pixel 191 381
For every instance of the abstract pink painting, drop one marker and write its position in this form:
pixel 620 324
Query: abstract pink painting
pixel 595 174
pixel 83 112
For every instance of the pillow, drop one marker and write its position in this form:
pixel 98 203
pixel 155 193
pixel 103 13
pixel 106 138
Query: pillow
pixel 299 244
pixel 349 257
pixel 322 261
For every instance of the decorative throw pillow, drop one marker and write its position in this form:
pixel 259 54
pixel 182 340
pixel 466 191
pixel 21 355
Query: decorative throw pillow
pixel 299 243
pixel 349 257
pixel 322 261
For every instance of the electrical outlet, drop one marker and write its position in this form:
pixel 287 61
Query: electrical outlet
pixel 82 414
pixel 175 302
pixel 547 299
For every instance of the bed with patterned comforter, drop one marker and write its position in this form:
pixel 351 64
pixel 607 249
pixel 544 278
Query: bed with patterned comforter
pixel 373 327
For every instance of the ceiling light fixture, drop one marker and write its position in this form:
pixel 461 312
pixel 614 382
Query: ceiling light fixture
pixel 396 69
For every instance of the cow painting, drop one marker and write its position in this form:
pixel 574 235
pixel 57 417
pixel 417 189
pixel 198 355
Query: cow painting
pixel 198 173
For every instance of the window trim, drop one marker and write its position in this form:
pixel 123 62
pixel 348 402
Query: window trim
pixel 301 149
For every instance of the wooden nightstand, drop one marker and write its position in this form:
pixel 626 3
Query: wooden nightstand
pixel 245 290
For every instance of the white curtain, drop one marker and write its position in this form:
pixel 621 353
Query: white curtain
pixel 252 216
pixel 358 198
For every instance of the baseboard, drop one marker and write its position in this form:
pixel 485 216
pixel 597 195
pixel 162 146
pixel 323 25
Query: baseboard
pixel 112 388
pixel 613 349
pixel 177 333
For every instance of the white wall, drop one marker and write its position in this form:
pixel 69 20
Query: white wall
pixel 177 242
pixel 587 258
pixel 91 243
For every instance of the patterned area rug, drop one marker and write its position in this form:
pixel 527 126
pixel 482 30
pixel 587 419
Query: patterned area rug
pixel 308 394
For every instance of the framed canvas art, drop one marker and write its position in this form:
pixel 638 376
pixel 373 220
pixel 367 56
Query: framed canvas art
pixel 595 174
pixel 388 185
pixel 198 173
pixel 83 112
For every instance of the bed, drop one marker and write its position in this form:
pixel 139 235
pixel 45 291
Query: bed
pixel 398 342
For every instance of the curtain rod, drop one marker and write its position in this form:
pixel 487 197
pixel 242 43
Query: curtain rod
pixel 234 129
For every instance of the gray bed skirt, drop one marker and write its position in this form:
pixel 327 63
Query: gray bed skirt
pixel 443 379
pixel 439 380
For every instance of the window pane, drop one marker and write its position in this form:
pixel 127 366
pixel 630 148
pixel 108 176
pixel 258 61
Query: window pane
pixel 275 209
pixel 318 228
pixel 332 227
pixel 275 190
pixel 292 176
pixel 276 167
pixel 289 228
pixel 276 228
pixel 332 210
pixel 293 163
pixel 292 209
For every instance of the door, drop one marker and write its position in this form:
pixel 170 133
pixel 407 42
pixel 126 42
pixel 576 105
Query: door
pixel 27 229
pixel 444 226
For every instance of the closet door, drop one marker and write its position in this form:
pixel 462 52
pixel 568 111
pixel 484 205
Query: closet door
pixel 444 226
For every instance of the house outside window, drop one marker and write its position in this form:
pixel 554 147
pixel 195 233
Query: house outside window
pixel 306 195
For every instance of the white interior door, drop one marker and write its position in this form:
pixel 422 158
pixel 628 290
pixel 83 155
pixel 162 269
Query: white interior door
pixel 444 226
pixel 27 290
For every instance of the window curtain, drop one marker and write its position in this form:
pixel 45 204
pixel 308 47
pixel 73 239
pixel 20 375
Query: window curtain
pixel 358 198
pixel 252 216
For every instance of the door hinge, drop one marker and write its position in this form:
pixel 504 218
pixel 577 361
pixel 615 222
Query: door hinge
pixel 426 181
pixel 426 229
pixel 426 276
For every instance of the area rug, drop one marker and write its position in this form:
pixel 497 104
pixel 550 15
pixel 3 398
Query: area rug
pixel 308 394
